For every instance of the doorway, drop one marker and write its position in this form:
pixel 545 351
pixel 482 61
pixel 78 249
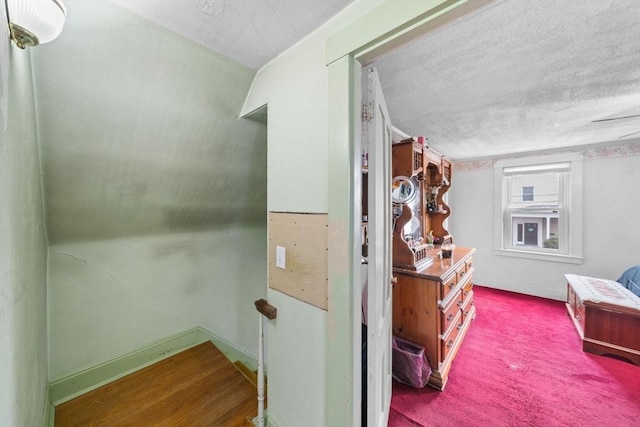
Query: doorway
pixel 346 56
pixel 531 233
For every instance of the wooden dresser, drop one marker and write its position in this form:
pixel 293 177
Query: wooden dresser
pixel 434 307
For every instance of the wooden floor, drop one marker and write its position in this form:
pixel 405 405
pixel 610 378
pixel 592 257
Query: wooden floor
pixel 198 387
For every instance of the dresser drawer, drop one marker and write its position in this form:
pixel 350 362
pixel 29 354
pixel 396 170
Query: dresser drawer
pixel 449 313
pixel 467 288
pixel 447 286
pixel 469 263
pixel 467 306
pixel 463 273
pixel 448 341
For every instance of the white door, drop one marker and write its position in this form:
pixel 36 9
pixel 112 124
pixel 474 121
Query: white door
pixel 380 261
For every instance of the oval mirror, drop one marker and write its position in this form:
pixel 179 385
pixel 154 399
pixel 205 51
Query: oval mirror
pixel 403 190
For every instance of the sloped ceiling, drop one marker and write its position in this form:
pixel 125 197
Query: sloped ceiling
pixel 139 126
pixel 140 132
pixel 248 31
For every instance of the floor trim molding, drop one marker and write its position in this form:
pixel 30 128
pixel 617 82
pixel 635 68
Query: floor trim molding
pixel 271 422
pixel 74 385
pixel 48 410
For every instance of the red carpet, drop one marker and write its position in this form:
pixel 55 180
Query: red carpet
pixel 522 364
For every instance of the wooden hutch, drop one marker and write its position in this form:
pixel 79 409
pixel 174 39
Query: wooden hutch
pixel 432 296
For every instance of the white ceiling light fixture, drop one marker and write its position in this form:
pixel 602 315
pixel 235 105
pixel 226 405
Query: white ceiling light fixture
pixel 33 22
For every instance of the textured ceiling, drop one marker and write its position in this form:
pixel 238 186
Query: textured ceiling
pixel 521 76
pixel 517 76
pixel 251 32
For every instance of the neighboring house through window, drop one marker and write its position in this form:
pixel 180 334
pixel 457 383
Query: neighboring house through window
pixel 540 207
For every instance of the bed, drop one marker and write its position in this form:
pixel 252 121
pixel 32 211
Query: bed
pixel 630 279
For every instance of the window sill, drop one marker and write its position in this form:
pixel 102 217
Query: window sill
pixel 566 259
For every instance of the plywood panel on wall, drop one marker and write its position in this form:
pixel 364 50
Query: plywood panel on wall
pixel 304 237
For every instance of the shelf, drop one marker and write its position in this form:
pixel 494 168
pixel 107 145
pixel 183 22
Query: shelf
pixel 411 159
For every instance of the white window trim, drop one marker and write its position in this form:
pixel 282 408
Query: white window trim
pixel 574 252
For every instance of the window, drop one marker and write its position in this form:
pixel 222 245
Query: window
pixel 545 223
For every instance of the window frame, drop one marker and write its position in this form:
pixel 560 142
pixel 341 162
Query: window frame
pixel 572 212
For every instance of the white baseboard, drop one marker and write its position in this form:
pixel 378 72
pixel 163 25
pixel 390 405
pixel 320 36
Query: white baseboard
pixel 48 410
pixel 74 385
pixel 267 420
pixel 271 422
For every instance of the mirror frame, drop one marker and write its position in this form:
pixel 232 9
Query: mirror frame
pixel 398 182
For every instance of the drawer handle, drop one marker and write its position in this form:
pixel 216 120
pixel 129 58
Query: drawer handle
pixel 459 304
pixel 451 285
pixel 466 313
pixel 450 344
pixel 459 326
pixel 450 317
pixel 462 273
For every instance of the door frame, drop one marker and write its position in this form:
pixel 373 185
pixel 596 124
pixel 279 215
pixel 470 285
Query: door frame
pixel 523 221
pixel 388 26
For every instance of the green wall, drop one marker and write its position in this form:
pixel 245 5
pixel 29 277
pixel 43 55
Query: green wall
pixel 23 248
pixel 155 189
pixel 295 86
pixel 110 297
pixel 141 132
